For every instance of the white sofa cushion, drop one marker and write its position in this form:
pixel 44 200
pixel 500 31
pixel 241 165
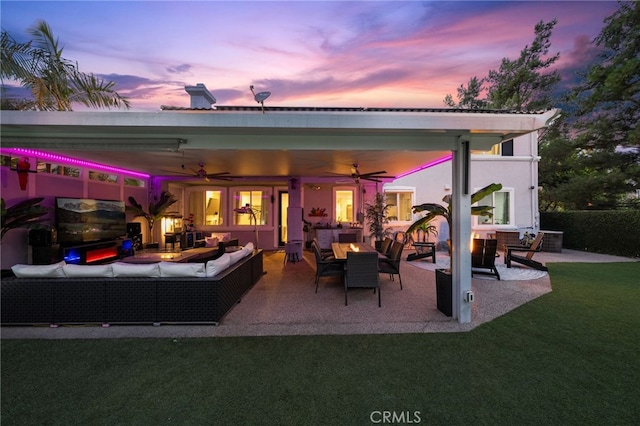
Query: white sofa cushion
pixel 55 270
pixel 216 266
pixel 249 247
pixel 172 269
pixel 122 269
pixel 87 271
pixel 237 255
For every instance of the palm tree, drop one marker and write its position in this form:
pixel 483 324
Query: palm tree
pixel 155 211
pixel 433 209
pixel 22 214
pixel 55 82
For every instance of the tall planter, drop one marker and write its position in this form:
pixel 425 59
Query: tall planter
pixel 444 291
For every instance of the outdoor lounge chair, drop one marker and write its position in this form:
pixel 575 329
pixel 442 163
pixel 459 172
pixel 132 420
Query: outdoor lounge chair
pixel 423 247
pixel 483 257
pixel 527 259
pixel 362 272
pixel 391 264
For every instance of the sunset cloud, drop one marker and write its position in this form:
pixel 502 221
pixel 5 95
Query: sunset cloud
pixel 331 53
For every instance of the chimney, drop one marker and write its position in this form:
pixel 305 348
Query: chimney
pixel 200 96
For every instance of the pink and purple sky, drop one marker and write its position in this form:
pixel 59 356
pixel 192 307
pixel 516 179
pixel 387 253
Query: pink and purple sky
pixel 307 53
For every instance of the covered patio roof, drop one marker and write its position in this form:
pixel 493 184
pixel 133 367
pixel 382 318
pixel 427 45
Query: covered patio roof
pixel 282 142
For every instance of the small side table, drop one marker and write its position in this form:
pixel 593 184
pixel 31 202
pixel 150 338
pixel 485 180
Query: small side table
pixel 291 250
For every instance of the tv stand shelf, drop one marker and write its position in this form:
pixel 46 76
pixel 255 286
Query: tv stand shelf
pixel 92 253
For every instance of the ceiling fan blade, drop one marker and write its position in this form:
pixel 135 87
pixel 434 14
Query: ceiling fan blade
pixel 381 172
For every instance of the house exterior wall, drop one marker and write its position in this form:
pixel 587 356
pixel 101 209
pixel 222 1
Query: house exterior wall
pixel 15 244
pixel 517 173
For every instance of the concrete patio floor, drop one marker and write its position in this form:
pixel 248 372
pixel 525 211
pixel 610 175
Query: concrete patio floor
pixel 284 302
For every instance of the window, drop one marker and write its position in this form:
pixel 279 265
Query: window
pixel 400 202
pixel 206 206
pixel 504 149
pixel 502 201
pixel 103 177
pixel 256 199
pixel 134 182
pixel 58 169
pixel 343 199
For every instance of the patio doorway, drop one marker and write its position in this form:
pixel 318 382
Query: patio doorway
pixel 283 202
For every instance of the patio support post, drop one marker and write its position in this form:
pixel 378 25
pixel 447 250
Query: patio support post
pixel 461 232
pixel 294 213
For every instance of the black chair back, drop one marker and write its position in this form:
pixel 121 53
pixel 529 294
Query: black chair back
pixel 347 238
pixel 362 272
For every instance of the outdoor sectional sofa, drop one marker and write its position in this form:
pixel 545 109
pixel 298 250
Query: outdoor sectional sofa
pixel 165 299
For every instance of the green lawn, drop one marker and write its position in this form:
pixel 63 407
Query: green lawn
pixel 569 357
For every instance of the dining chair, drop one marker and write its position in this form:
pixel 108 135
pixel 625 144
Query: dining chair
pixel 362 272
pixel 326 267
pixel 385 246
pixel 324 252
pixel 347 238
pixel 391 264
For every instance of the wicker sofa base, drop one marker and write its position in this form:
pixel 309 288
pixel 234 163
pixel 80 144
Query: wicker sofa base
pixel 175 300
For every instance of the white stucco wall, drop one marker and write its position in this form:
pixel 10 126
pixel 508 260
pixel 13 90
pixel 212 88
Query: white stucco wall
pixel 519 172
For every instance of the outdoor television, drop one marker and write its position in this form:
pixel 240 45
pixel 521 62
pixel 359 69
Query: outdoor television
pixel 82 220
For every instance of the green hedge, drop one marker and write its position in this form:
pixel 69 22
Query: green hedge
pixel 615 232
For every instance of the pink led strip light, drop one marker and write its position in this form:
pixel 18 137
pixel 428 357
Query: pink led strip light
pixel 63 159
pixel 428 165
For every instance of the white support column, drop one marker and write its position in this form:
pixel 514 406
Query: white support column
pixel 461 232
pixel 294 213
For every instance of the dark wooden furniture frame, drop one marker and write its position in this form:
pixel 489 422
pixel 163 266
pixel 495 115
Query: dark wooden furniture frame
pixel 483 257
pixel 527 259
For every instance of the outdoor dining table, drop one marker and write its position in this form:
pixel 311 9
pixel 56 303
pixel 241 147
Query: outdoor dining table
pixel 340 250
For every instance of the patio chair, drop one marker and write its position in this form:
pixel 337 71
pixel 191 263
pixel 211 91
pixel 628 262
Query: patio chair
pixel 347 238
pixel 483 256
pixel 362 272
pixel 385 246
pixel 423 247
pixel 391 264
pixel 326 267
pixel 325 253
pixel 527 259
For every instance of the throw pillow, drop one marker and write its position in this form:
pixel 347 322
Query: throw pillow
pixel 211 242
pixel 172 269
pixel 122 269
pixel 216 266
pixel 55 270
pixel 221 236
pixel 88 271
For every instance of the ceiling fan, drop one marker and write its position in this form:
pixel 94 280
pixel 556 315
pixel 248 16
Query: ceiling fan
pixel 372 176
pixel 201 173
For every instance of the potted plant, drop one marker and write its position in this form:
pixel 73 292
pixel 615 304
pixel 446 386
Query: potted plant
pixel 23 214
pixel 156 211
pixel 376 215
pixel 433 210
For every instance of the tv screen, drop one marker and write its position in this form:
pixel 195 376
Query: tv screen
pixel 81 220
